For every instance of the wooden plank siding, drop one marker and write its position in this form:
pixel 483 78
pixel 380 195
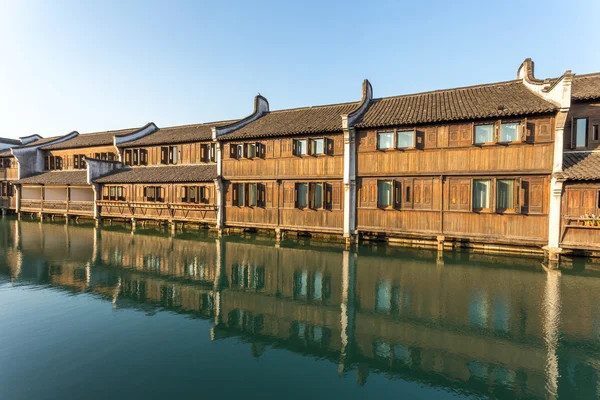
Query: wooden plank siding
pixel 278 169
pixel 580 223
pixel 68 155
pixel 171 208
pixel 187 153
pixel 439 172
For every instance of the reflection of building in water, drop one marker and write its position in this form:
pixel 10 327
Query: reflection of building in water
pixel 506 332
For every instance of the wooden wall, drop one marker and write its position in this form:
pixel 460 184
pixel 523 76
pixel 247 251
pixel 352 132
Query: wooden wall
pixel 590 110
pixel 280 163
pixel 188 153
pixel 448 149
pixel 67 155
pixel 579 200
pixel 432 210
pixel 279 209
pixel 172 208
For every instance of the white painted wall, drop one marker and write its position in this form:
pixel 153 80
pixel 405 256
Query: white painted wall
pixel 29 193
pixel 82 194
pixel 59 194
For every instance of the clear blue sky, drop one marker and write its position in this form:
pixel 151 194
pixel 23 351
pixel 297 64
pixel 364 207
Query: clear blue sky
pixel 103 65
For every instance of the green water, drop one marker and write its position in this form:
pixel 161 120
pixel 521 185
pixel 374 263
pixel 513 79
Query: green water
pixel 105 314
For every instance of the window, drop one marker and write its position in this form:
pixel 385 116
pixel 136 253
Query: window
pixel 481 194
pixel 250 150
pixel 316 195
pixel 509 132
pixel 238 194
pixel 581 132
pixel 595 133
pixel 505 194
pixel 128 157
pixel 136 157
pixel 384 194
pixel 405 139
pixel 239 151
pixel 207 152
pixel 53 163
pixel 300 147
pixel 385 140
pixel 252 194
pixel 76 161
pixel 114 193
pixel 169 155
pixel 143 157
pixel 301 195
pixel 317 146
pixel 5 163
pixel 154 193
pixel 484 133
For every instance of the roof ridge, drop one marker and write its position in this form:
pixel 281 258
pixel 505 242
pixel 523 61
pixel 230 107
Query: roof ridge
pixel 200 124
pixel 586 75
pixel 481 85
pixel 311 107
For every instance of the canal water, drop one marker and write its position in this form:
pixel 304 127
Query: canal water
pixel 103 313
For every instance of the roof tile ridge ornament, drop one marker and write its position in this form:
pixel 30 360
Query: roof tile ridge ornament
pixel 29 139
pixel 145 130
pixel 556 91
pixel 261 106
pixel 348 120
pixel 30 159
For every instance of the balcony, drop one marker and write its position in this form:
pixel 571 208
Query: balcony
pixel 58 207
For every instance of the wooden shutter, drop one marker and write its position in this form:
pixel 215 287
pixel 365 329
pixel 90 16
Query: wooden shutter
pixel 261 150
pixel 523 127
pixel 76 161
pixel 311 195
pixel 573 130
pixel 164 155
pixel 262 194
pixel 328 203
pixel 105 193
pixel 213 152
pixel 235 192
pixel 294 147
pixel 295 195
pixel 407 193
pixel 203 150
pixel 419 139
pixel 183 192
pixel 329 146
pixel 397 195
pixel 245 150
pixel 517 196
pixel 246 194
pixel 233 151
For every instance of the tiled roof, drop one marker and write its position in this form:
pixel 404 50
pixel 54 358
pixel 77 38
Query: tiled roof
pixel 57 178
pixel 9 141
pixel 162 174
pixel 586 87
pixel 295 121
pixel 178 134
pixel 501 99
pixel 89 140
pixel 5 153
pixel 39 142
pixel 580 166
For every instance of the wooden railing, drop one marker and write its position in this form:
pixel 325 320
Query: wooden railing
pixel 580 233
pixel 151 210
pixel 75 207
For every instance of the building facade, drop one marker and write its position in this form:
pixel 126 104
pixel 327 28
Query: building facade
pixel 506 165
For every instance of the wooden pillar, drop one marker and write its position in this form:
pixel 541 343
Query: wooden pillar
pixel 133 223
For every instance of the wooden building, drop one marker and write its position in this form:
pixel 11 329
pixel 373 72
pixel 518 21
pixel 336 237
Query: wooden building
pixel 9 170
pixel 53 176
pixel 580 174
pixel 167 175
pixel 501 166
pixel 470 163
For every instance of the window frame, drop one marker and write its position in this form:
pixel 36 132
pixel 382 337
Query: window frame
pixel 297 197
pixel 515 196
pixel 392 197
pixel 312 143
pixel 393 146
pixel 586 136
pixel 494 126
pixel 248 202
pixel 414 138
pixel 490 196
pixel 518 131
